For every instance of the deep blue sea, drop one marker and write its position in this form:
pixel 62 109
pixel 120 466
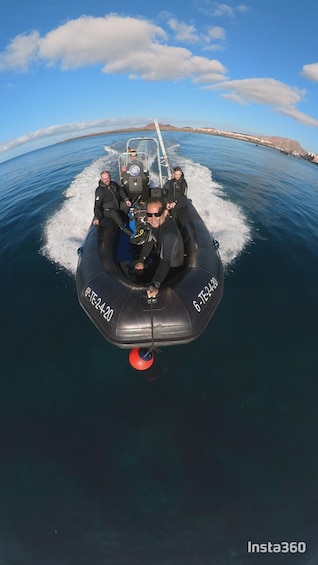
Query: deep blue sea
pixel 218 445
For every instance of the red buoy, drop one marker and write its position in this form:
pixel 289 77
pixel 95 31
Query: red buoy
pixel 141 358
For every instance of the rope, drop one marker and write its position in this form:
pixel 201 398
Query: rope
pixel 152 347
pixel 152 330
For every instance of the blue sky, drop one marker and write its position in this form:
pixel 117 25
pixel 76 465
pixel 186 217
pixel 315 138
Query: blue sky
pixel 68 68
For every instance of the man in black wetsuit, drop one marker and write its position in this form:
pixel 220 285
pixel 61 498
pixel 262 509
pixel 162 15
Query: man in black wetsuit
pixel 134 169
pixel 110 202
pixel 164 240
pixel 134 162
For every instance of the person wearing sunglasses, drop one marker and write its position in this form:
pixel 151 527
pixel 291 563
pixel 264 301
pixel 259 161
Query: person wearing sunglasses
pixel 164 245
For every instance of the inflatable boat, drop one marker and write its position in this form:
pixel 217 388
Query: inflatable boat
pixel 111 293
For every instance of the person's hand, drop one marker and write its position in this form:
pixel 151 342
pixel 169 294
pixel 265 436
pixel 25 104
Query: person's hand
pixel 170 205
pixel 139 266
pixel 128 202
pixel 96 222
pixel 152 291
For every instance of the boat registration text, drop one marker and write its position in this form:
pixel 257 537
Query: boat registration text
pixel 104 309
pixel 205 294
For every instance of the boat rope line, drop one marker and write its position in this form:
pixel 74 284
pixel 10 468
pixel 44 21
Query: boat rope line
pixel 152 329
pixel 152 347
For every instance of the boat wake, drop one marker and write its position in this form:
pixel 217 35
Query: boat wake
pixel 66 229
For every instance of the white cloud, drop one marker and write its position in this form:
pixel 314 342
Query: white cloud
pixel 211 8
pixel 213 47
pixel 223 10
pixel 161 62
pixel 90 41
pixel 20 53
pixel 182 31
pixel 261 91
pixel 280 96
pixel 310 72
pixel 242 8
pixel 226 10
pixel 216 32
pixel 120 44
pixel 297 115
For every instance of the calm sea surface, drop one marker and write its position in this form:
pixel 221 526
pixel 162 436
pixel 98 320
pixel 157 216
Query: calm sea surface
pixel 99 464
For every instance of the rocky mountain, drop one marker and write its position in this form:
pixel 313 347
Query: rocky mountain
pixel 285 144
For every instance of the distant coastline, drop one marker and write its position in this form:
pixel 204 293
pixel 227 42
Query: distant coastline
pixel 282 144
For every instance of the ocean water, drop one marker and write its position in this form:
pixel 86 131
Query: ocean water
pixel 217 445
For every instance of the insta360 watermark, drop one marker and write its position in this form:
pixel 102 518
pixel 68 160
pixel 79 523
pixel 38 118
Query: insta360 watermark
pixel 281 547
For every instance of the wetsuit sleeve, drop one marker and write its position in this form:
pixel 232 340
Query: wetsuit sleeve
pixel 169 247
pixel 161 272
pixel 146 250
pixel 182 198
pixel 123 195
pixel 182 201
pixel 166 187
pixel 168 250
pixel 98 204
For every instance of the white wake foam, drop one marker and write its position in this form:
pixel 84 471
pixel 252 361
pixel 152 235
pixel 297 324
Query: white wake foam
pixel 66 229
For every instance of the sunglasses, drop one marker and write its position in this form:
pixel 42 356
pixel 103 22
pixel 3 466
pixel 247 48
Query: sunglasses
pixel 156 214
